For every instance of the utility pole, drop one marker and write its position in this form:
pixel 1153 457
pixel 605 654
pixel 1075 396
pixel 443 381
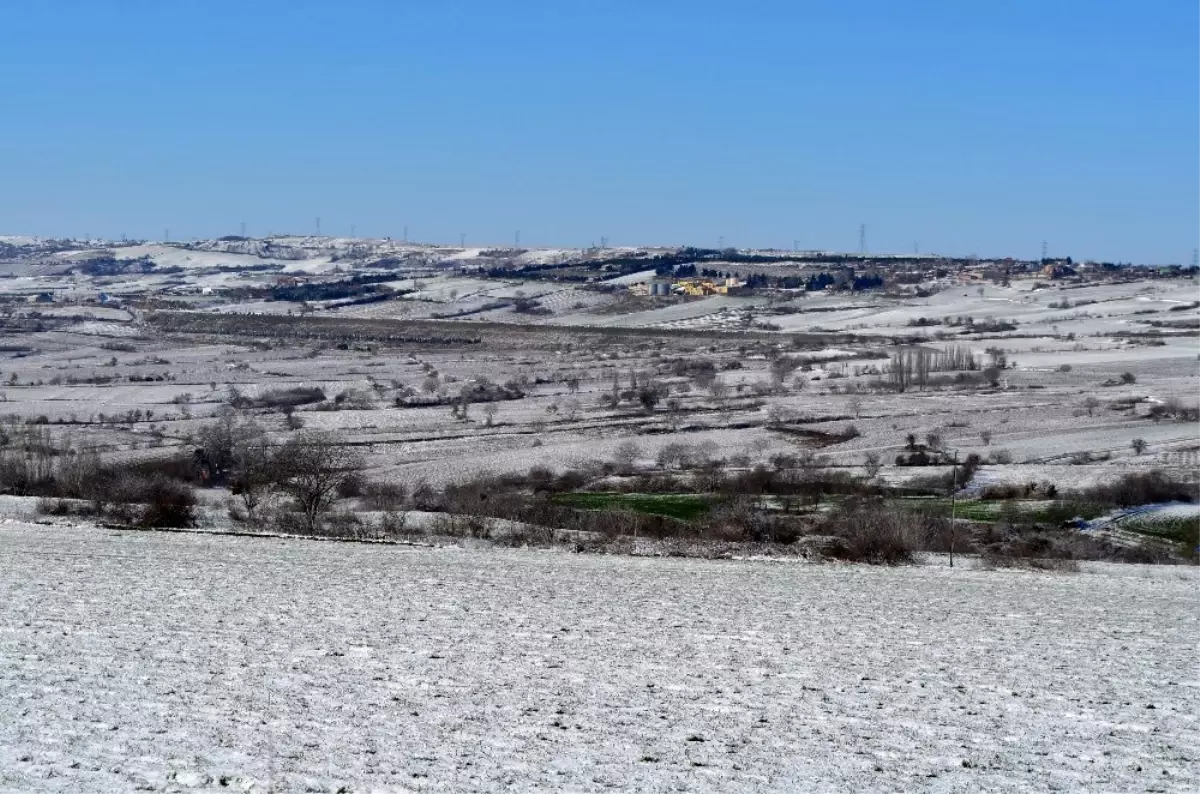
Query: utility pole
pixel 953 491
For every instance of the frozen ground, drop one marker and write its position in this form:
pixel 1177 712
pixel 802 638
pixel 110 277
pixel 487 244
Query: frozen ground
pixel 171 662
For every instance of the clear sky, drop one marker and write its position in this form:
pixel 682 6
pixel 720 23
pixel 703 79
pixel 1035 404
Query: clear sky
pixel 963 126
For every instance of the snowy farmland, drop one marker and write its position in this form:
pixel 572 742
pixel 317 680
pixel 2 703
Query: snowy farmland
pixel 141 661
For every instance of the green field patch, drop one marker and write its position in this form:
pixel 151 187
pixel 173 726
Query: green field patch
pixel 685 507
pixel 1053 512
pixel 968 510
pixel 1180 530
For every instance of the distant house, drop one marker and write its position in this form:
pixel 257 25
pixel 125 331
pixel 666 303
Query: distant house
pixel 43 297
pixel 1057 270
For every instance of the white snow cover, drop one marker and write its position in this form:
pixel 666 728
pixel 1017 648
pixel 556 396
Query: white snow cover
pixel 165 662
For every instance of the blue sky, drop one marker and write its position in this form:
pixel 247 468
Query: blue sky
pixel 961 126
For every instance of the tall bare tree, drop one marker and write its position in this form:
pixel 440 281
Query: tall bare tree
pixel 312 465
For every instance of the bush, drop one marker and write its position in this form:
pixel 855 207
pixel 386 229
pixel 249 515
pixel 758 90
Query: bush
pixel 873 533
pixel 384 496
pixel 281 398
pixel 167 503
pixel 991 561
pixel 463 526
pixel 1142 488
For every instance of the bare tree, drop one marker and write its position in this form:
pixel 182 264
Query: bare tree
pixel 254 472
pixel 312 465
pixel 781 367
pixel 1090 405
pixel 985 436
pixel 650 394
pixel 626 455
pixel 872 464
pixel 489 413
pixel 1139 445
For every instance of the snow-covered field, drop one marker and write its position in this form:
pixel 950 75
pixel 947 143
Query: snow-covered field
pixel 141 661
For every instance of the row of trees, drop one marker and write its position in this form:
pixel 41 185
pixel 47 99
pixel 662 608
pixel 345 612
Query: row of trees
pixel 910 367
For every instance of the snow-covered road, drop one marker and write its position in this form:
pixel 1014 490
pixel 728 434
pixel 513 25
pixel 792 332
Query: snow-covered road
pixel 191 662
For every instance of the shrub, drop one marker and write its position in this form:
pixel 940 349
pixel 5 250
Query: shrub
pixel 384 496
pixel 873 533
pixel 168 503
pixel 463 526
pixel 1141 488
pixel 278 398
pixel 991 561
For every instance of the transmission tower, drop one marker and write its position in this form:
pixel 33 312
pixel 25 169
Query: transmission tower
pixel 318 226
pixel 862 238
pixel 1196 257
pixel 1044 250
